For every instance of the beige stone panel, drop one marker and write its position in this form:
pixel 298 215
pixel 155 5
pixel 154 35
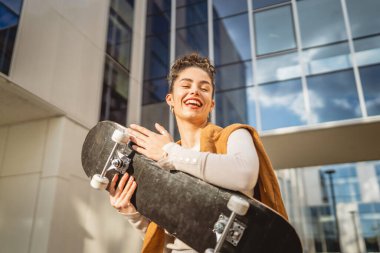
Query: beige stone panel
pixel 77 76
pixel 24 151
pixel 3 142
pixel 18 197
pixel 90 17
pixel 36 48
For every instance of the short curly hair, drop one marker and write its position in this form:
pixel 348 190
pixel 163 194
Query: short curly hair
pixel 191 60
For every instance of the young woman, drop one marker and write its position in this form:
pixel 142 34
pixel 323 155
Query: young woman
pixel 232 158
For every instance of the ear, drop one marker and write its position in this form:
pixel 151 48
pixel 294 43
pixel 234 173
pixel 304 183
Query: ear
pixel 212 105
pixel 169 99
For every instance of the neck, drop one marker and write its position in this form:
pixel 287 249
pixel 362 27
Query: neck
pixel 190 132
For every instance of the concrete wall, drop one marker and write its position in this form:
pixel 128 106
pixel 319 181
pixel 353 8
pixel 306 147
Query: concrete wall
pixel 47 204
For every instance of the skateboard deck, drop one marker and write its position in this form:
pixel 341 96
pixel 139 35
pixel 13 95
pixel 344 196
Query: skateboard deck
pixel 185 206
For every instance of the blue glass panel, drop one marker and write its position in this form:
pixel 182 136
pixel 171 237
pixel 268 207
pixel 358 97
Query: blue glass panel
pixel 9 18
pixel 180 3
pixel 191 14
pixel 321 22
pixel 370 77
pixel 234 75
pixel 155 91
pixel 328 58
pixel 264 3
pixel 223 8
pixel 278 68
pixel 158 6
pixel 235 106
pixel 274 30
pixel 367 50
pixel 364 17
pixel 231 42
pixel 156 63
pixel 282 104
pixel 190 39
pixel 158 24
pixel 155 113
pixel 333 96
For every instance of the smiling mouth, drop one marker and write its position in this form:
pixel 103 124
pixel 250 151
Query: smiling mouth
pixel 193 103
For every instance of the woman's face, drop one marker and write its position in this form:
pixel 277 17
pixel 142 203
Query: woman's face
pixel 191 97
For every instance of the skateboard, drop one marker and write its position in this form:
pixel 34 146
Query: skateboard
pixel 205 217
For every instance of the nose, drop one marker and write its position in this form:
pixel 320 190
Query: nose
pixel 194 90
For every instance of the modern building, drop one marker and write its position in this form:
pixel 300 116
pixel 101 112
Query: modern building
pixel 305 73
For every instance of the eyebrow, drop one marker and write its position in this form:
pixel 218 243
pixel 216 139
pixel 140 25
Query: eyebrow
pixel 191 80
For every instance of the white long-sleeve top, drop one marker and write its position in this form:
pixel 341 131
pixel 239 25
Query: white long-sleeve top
pixel 237 170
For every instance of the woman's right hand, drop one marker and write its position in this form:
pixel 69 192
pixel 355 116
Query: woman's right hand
pixel 120 196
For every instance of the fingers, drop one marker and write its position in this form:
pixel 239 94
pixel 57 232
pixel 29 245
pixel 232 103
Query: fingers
pixel 140 130
pixel 123 193
pixel 113 184
pixel 161 129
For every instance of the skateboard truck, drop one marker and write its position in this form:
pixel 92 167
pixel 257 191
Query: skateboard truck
pixel 120 163
pixel 229 229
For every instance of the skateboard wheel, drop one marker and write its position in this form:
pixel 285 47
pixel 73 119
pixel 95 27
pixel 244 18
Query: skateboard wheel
pixel 98 182
pixel 119 136
pixel 238 205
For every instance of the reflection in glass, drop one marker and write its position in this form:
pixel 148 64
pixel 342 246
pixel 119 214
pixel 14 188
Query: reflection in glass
pixel 264 3
pixel 282 104
pixel 157 53
pixel 190 39
pixel 115 92
pixel 326 59
pixel 278 68
pixel 9 14
pixel 235 106
pixel 234 75
pixel 367 50
pixel 119 38
pixel 333 97
pixel 223 8
pixel 364 17
pixel 158 6
pixel 274 30
pixel 158 24
pixel 321 22
pixel 191 14
pixel 155 91
pixel 370 77
pixel 231 39
pixel 155 113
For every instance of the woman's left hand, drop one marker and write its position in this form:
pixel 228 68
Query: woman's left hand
pixel 149 143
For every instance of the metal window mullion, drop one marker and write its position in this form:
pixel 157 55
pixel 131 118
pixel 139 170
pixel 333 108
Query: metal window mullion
pixel 211 56
pixel 254 65
pixel 172 55
pixel 358 82
pixel 302 63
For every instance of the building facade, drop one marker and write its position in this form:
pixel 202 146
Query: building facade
pixel 305 73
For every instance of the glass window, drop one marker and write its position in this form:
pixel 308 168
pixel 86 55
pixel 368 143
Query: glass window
pixel 321 22
pixel 282 104
pixel 191 14
pixel 367 50
pixel 333 96
pixel 257 4
pixel 274 30
pixel 119 38
pixel 223 8
pixel 370 77
pixel 326 59
pixel 158 6
pixel 231 39
pixel 190 39
pixel 234 75
pixel 155 91
pixel 237 106
pixel 9 19
pixel 158 24
pixel 156 63
pixel 364 17
pixel 278 68
pixel 115 92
